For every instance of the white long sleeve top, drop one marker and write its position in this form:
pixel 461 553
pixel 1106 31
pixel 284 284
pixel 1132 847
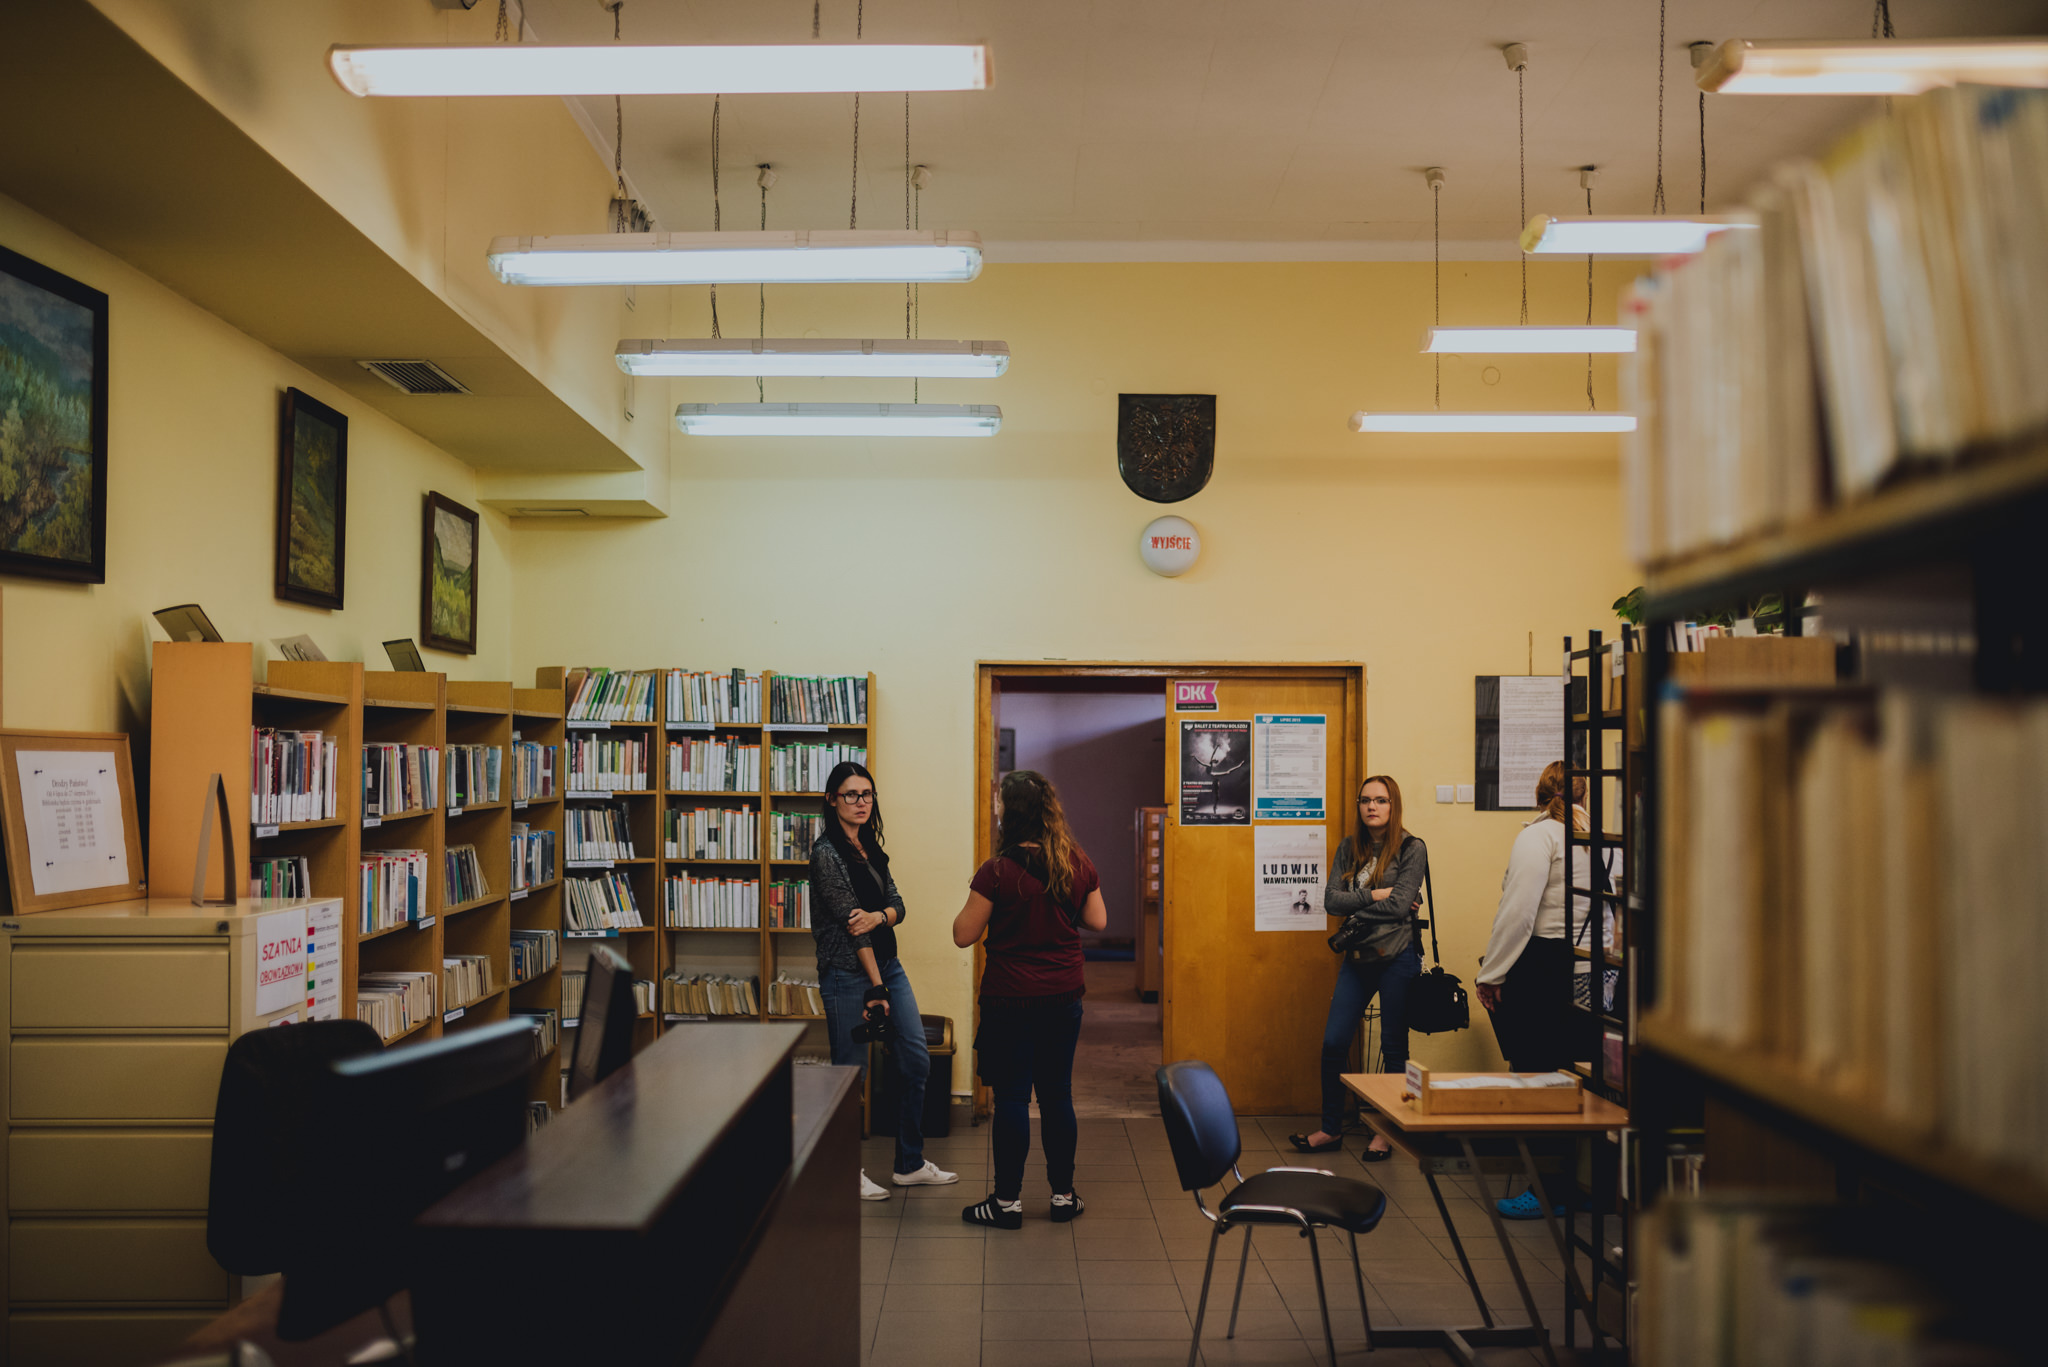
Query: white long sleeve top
pixel 1532 895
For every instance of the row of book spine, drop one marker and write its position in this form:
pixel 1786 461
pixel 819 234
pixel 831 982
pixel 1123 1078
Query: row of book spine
pixel 709 995
pixel 392 889
pixel 791 995
pixel 604 902
pixel 600 763
pixel 573 982
pixel 714 764
pixel 534 952
pixel 837 701
pixel 289 877
pixel 791 834
pixel 533 771
pixel 400 778
pixel 1889 311
pixel 394 1003
pixel 465 979
pixel 475 775
pixel 600 694
pixel 732 698
pixel 712 833
pixel 1856 890
pixel 789 905
pixel 465 873
pixel 292 776
pixel 547 1028
pixel 710 903
pixel 804 768
pixel 597 833
pixel 533 856
pixel 645 994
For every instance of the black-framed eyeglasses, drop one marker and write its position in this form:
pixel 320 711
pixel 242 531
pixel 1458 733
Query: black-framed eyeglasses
pixel 1375 802
pixel 868 796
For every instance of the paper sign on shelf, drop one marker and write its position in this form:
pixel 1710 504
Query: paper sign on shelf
pixel 1288 864
pixel 323 960
pixel 71 807
pixel 280 960
pixel 1289 781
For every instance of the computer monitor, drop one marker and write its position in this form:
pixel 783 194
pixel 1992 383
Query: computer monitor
pixel 604 1036
pixel 391 1134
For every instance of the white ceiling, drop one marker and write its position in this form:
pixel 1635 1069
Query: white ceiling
pixel 1129 129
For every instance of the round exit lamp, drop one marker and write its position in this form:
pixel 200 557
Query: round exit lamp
pixel 1169 546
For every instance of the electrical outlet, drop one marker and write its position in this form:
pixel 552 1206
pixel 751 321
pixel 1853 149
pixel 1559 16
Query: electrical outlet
pixel 1444 792
pixel 1465 793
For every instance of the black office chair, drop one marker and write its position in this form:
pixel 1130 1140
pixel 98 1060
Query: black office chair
pixel 1202 1130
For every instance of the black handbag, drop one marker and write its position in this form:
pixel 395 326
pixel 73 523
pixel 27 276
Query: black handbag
pixel 1436 1000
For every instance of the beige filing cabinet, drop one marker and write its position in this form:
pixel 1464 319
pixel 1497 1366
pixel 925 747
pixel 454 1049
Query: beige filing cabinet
pixel 118 1018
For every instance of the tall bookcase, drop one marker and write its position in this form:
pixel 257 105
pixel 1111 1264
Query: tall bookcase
pixel 537 720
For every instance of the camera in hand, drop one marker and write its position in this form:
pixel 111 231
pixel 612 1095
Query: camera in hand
pixel 875 1026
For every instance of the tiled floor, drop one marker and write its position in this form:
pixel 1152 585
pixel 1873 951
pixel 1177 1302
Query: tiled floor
pixel 1119 1285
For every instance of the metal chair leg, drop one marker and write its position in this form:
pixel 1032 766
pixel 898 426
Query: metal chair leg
pixel 1358 1274
pixel 1243 1259
pixel 1202 1305
pixel 1315 1259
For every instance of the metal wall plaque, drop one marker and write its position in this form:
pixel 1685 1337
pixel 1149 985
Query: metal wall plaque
pixel 1166 444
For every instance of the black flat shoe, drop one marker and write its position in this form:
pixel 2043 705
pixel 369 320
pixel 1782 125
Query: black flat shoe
pixel 1375 1155
pixel 1301 1144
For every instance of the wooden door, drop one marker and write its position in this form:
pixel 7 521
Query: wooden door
pixel 1251 1003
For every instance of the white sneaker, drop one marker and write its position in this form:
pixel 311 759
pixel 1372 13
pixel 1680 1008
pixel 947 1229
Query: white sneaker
pixel 930 1175
pixel 869 1191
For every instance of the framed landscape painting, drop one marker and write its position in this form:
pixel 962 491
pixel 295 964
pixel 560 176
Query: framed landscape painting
pixel 312 501
pixel 53 424
pixel 448 576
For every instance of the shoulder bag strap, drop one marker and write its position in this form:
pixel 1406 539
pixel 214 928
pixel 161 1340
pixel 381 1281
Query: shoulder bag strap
pixel 1429 901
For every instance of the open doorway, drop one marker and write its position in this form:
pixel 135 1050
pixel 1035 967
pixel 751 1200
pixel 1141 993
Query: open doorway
pixel 1102 742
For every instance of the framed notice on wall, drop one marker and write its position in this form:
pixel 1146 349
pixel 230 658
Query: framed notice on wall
pixel 67 815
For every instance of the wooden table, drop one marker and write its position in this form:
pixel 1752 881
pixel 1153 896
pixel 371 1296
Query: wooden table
pixel 1411 1134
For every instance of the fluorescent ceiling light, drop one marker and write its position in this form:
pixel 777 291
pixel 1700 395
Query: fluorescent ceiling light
pixel 1493 422
pixel 1621 236
pixel 877 358
pixel 1531 340
pixel 853 257
pixel 621 69
pixel 1871 67
pixel 839 419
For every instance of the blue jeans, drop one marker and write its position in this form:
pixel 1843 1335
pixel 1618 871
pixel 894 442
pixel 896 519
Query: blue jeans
pixel 842 992
pixel 1356 984
pixel 1022 1050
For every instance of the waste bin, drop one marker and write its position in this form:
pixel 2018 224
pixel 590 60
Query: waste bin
pixel 938 1088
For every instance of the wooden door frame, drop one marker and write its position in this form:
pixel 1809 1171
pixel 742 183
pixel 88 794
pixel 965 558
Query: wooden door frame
pixel 1350 672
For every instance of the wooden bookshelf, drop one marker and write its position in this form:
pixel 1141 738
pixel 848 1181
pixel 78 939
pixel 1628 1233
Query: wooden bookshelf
pixel 481 714
pixel 537 719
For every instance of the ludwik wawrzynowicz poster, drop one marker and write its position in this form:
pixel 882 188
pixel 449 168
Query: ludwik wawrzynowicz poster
pixel 1289 864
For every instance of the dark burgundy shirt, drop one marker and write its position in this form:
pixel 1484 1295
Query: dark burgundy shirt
pixel 1034 943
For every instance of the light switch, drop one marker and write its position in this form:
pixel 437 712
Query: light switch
pixel 1465 793
pixel 1444 792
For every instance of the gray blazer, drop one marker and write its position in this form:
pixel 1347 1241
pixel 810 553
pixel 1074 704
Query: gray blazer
pixel 833 899
pixel 1392 917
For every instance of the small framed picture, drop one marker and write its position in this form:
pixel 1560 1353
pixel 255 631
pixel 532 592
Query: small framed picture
pixel 67 820
pixel 312 501
pixel 448 576
pixel 53 424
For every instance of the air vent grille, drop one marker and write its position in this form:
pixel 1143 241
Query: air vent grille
pixel 414 377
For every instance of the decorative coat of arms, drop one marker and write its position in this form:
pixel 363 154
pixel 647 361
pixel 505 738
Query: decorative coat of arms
pixel 1166 444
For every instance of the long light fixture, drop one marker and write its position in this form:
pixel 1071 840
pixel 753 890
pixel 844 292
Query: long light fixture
pixel 615 69
pixel 872 358
pixel 1530 340
pixel 1657 235
pixel 839 419
pixel 1492 422
pixel 862 256
pixel 1871 67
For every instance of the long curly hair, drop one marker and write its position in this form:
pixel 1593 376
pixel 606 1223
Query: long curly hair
pixel 1550 796
pixel 1032 812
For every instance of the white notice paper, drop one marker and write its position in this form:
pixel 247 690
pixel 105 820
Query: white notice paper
pixel 1531 734
pixel 280 960
pixel 71 806
pixel 1288 864
pixel 323 960
pixel 1289 779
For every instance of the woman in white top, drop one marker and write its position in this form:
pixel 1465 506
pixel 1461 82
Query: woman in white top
pixel 1525 978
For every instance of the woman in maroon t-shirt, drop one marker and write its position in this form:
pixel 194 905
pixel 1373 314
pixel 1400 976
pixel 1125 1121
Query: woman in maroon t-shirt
pixel 1032 899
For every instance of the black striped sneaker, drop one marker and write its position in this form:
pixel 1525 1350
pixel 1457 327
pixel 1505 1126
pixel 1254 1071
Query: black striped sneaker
pixel 1065 1208
pixel 995 1214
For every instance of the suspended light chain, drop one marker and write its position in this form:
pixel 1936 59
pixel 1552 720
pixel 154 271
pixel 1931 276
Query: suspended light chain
pixel 717 217
pixel 1657 196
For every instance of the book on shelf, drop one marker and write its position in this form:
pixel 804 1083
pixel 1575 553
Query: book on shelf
pixel 1885 316
pixel 281 878
pixel 838 701
pixel 597 833
pixel 728 699
pixel 610 695
pixel 791 834
pixel 600 763
pixel 645 994
pixel 573 982
pixel 291 776
pixel 534 952
pixel 1853 893
pixel 803 768
pixel 537 1115
pixel 789 904
pixel 475 775
pixel 709 994
pixel 465 873
pixel 393 889
pixel 465 980
pixel 793 995
pixel 533 856
pixel 710 903
pixel 400 778
pixel 547 1028
pixel 714 764
pixel 533 771
pixel 602 902
pixel 394 1003
pixel 711 833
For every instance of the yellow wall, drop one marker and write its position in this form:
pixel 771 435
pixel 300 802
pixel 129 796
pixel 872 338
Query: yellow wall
pixel 191 472
pixel 1430 559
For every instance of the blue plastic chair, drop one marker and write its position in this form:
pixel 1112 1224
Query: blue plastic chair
pixel 1202 1130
